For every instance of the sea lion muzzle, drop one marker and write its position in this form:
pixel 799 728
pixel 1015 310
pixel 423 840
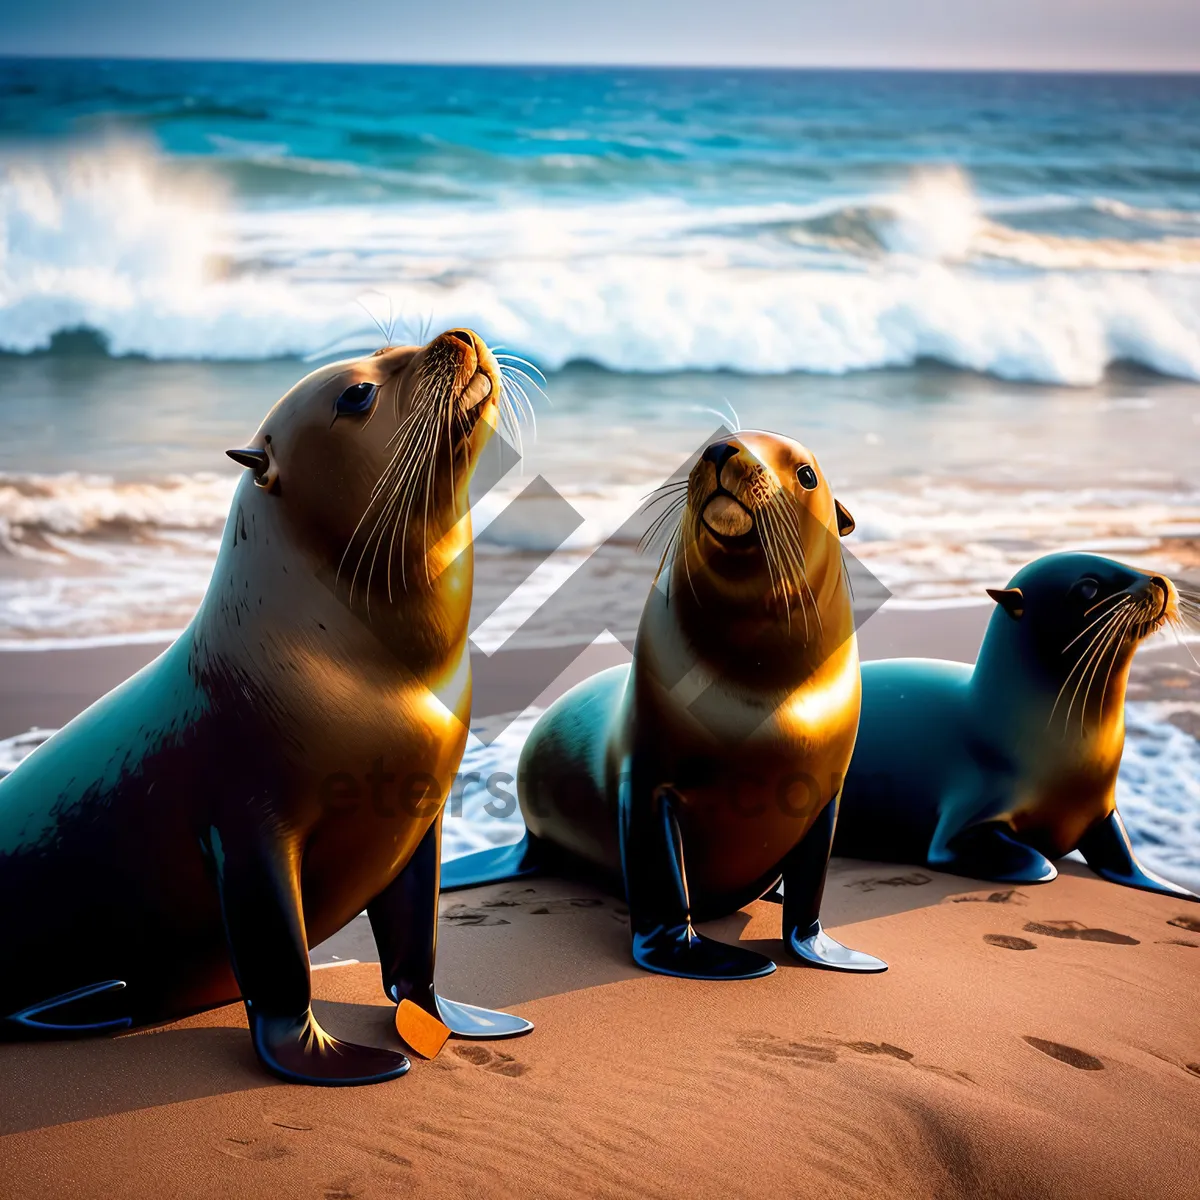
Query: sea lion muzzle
pixel 476 392
pixel 726 517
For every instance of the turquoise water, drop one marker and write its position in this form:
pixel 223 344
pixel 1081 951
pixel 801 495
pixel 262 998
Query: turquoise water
pixel 1034 227
pixel 977 297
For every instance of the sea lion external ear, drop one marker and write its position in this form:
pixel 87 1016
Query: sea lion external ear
pixel 1009 599
pixel 845 520
pixel 260 462
pixel 252 459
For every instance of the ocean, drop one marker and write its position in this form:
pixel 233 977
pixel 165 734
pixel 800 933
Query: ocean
pixel 976 296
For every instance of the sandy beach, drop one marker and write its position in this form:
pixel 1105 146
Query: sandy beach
pixel 1029 1042
pixel 1026 1042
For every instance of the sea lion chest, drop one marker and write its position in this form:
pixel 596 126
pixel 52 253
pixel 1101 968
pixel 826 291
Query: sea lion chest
pixel 754 765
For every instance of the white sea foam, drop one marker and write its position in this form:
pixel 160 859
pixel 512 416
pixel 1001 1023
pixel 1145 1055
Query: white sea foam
pixel 108 239
pixel 1158 792
pixel 95 560
pixel 47 516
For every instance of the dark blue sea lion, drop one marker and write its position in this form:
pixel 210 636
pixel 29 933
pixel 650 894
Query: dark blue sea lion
pixel 281 767
pixel 996 770
pixel 695 778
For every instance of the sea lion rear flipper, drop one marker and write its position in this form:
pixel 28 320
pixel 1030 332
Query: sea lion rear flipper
pixel 495 865
pixel 404 921
pixel 803 886
pixel 258 880
pixel 659 909
pixel 39 1019
pixel 1108 852
pixel 991 852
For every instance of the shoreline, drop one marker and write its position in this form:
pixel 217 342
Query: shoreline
pixel 46 688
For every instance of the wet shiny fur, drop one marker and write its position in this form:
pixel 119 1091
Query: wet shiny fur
pixel 697 777
pixel 995 771
pixel 189 837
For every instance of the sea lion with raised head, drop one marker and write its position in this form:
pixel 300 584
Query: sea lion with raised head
pixel 994 771
pixel 189 837
pixel 699 775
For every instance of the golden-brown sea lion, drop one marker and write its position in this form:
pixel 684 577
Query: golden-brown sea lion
pixel 282 766
pixel 998 769
pixel 723 745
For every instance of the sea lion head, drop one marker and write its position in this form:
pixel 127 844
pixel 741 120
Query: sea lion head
pixel 1074 620
pixel 760 532
pixel 368 459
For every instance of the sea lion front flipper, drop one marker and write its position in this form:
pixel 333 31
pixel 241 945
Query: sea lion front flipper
pixel 404 921
pixel 991 852
pixel 803 886
pixel 258 879
pixel 1107 850
pixel 660 916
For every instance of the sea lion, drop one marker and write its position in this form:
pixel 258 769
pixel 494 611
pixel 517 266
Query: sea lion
pixel 189 837
pixel 996 770
pixel 724 743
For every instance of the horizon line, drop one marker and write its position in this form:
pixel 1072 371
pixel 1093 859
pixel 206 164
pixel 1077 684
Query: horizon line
pixel 557 64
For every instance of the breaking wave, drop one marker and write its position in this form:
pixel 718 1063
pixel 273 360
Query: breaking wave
pixel 157 262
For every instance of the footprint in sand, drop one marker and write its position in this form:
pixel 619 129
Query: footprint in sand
pixel 1078 931
pixel 252 1150
pixel 344 1189
pixel 554 907
pixel 1009 896
pixel 491 1060
pixel 766 1047
pixel 1007 942
pixel 1191 924
pixel 464 915
pixel 769 1048
pixel 529 901
pixel 1066 1054
pixel 1178 942
pixel 289 1121
pixel 913 879
pixel 887 1050
pixel 880 1048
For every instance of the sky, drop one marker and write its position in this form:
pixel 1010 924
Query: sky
pixel 1154 35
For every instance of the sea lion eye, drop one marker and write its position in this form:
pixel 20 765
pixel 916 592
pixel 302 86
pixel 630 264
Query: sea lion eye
pixel 356 399
pixel 807 477
pixel 1087 588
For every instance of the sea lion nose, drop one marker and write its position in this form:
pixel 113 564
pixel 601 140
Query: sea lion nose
pixel 463 336
pixel 719 453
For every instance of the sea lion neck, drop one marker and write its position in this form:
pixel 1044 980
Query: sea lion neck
pixel 1078 696
pixel 276 596
pixel 761 642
